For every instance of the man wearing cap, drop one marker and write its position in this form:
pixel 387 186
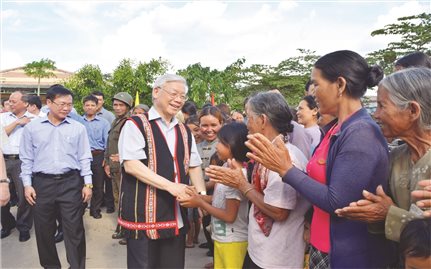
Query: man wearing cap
pixel 159 156
pixel 56 174
pixel 122 103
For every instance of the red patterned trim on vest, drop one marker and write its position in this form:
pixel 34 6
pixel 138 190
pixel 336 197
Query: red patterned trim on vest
pixel 151 192
pixel 146 225
pixel 186 147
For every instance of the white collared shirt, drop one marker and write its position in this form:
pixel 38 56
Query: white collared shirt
pixel 14 138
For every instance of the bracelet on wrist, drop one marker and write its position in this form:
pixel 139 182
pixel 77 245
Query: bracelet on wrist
pixel 248 190
pixel 88 186
pixel 5 180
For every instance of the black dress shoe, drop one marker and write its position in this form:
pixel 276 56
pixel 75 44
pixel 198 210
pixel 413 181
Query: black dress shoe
pixel 58 237
pixel 117 235
pixel 203 245
pixel 96 215
pixel 123 241
pixel 110 210
pixel 5 233
pixel 24 236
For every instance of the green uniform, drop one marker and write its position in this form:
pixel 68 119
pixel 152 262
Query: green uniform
pixel 114 135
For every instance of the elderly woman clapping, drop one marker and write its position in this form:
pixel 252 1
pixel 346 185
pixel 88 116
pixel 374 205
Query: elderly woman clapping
pixel 276 217
pixel 403 111
pixel 351 157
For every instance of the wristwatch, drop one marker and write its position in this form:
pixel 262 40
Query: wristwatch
pixel 203 193
pixel 88 186
pixel 5 180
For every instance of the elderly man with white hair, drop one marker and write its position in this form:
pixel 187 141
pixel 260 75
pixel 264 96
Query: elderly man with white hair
pixel 159 156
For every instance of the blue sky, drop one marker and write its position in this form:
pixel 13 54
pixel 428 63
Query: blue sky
pixel 214 33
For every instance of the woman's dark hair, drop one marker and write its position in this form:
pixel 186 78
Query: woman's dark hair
pixel 215 160
pixel 57 90
pixel 193 119
pixel 234 135
pixel 293 111
pixel 415 59
pixel 272 105
pixel 190 108
pixel 206 105
pixel 225 110
pixel 311 103
pixel 353 68
pixel 415 239
pixel 308 84
pixel 213 111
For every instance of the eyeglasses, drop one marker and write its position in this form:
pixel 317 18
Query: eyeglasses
pixel 63 105
pixel 175 95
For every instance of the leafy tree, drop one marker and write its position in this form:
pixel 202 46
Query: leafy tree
pixel 40 69
pixel 200 81
pixel 289 76
pixel 205 82
pixel 415 35
pixel 128 78
pixel 86 80
pixel 146 74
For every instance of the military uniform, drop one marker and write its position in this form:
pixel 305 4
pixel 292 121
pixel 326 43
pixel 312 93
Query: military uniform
pixel 114 135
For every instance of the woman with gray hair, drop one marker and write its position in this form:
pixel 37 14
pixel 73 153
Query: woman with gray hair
pixel 276 218
pixel 403 111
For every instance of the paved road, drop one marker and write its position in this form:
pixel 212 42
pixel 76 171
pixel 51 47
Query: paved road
pixel 102 251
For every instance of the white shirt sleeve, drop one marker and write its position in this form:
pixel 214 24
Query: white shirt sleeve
pixel 195 158
pixel 131 143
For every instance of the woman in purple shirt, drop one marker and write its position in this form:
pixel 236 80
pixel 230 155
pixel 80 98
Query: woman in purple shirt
pixel 356 159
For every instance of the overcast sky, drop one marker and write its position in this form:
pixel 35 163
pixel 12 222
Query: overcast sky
pixel 214 33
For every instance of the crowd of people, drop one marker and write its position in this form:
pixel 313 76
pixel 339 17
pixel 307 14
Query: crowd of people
pixel 272 188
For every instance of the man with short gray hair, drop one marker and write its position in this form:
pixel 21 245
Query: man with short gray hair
pixel 13 123
pixel 158 155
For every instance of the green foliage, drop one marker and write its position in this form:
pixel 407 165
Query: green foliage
pixel 40 69
pixel 415 35
pixel 414 31
pixel 233 84
pixel 131 78
pixel 86 80
pixel 289 76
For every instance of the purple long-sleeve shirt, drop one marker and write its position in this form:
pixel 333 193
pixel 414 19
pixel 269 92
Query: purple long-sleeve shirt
pixel 51 149
pixel 357 160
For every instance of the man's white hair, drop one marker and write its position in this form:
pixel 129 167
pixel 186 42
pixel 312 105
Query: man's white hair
pixel 160 81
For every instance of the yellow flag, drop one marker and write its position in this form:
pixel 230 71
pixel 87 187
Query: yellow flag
pixel 137 99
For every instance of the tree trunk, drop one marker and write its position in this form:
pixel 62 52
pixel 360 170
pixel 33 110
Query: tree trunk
pixel 38 86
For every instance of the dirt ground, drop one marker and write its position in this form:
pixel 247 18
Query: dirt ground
pixel 102 251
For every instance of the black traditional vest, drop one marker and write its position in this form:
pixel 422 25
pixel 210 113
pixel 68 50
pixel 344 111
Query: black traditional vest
pixel 145 210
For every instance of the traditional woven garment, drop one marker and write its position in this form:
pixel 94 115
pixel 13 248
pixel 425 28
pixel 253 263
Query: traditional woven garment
pixel 145 210
pixel 260 180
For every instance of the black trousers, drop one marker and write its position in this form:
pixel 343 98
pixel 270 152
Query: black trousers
pixel 161 253
pixel 249 264
pixel 206 221
pixel 108 195
pixel 65 196
pixel 98 182
pixel 24 216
